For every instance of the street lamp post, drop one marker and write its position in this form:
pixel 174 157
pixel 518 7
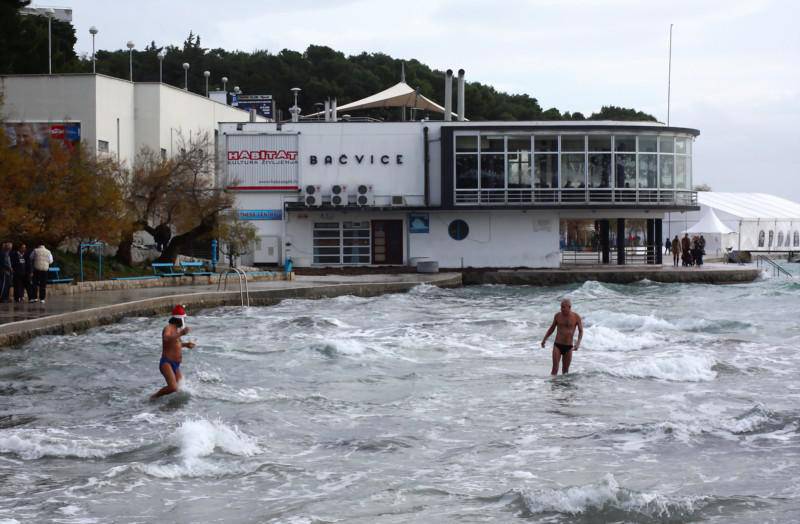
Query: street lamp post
pixel 49 12
pixel 225 85
pixel 130 45
pixel 186 76
pixel 206 74
pixel 161 55
pixel 93 31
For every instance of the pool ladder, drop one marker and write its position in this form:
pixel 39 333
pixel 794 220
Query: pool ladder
pixel 777 269
pixel 244 292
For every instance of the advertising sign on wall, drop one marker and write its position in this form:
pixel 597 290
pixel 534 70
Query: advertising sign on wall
pixel 262 162
pixel 419 223
pixel 261 103
pixel 42 133
pixel 260 214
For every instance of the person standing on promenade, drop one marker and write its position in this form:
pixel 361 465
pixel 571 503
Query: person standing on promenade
pixel 20 268
pixel 565 322
pixel 41 258
pixel 676 251
pixel 686 245
pixel 172 351
pixel 667 246
pixel 5 271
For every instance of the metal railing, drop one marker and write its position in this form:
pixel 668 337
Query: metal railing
pixel 244 292
pixel 571 196
pixel 777 269
pixel 634 255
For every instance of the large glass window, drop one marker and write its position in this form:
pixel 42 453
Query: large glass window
pixel 518 162
pixel 573 143
pixel 466 171
pixel 493 144
pixel 626 170
pixel 545 171
pixel 647 144
pixel 573 169
pixel 467 144
pixel 666 170
pixel 625 144
pixel 545 144
pixel 648 171
pixel 666 144
pixel 493 168
pixel 599 170
pixel 682 172
pixel 355 243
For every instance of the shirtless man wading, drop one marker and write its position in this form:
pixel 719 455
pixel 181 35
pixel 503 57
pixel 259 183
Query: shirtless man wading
pixel 566 321
pixel 171 349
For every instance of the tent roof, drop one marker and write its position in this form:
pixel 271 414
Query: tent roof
pixel 750 205
pixel 399 95
pixel 709 223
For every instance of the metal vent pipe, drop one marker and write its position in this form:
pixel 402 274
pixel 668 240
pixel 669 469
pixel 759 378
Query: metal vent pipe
pixel 448 95
pixel 460 95
pixel 327 110
pixel 334 116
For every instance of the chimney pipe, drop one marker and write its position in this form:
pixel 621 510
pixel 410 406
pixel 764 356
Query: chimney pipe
pixel 252 115
pixel 460 95
pixel 448 95
pixel 327 110
pixel 334 116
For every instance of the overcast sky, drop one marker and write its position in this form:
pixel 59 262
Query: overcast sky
pixel 735 63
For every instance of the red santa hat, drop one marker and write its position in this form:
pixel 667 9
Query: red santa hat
pixel 178 311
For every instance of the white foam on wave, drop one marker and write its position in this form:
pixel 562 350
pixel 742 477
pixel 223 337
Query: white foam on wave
pixel 666 366
pixel 32 444
pixel 607 338
pixel 604 494
pixel 592 289
pixel 198 439
pixel 628 321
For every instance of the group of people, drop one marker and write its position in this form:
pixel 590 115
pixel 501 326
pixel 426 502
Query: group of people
pixel 24 271
pixel 689 251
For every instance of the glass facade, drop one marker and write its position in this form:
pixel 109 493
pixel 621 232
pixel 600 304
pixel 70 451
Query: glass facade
pixel 341 243
pixel 572 161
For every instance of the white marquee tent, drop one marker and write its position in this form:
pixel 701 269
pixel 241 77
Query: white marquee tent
pixel 761 222
pixel 717 235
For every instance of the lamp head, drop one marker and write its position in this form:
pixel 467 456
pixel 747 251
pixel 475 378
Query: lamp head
pixel 224 79
pixel 186 65
pixel 93 30
pixel 130 44
pixel 206 73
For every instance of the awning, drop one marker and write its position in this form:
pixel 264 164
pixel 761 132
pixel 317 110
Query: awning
pixel 399 95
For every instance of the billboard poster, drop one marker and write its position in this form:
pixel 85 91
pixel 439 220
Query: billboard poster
pixel 262 162
pixel 41 133
pixel 261 103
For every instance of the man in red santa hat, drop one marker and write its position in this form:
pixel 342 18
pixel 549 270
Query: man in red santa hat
pixel 172 347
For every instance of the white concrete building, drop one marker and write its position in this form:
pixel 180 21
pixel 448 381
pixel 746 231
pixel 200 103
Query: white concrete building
pixel 109 114
pixel 488 194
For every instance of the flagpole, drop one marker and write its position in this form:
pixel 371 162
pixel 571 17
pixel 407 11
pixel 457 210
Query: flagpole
pixel 669 73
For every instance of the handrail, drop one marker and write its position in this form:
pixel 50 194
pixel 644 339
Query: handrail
pixel 244 291
pixel 594 196
pixel 777 269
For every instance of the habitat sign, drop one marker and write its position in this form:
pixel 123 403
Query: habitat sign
pixel 263 162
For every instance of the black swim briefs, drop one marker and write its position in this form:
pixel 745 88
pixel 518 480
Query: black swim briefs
pixel 564 348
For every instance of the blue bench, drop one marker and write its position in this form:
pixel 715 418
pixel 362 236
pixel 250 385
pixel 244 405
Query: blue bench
pixel 200 269
pixel 54 276
pixel 165 269
pixel 143 277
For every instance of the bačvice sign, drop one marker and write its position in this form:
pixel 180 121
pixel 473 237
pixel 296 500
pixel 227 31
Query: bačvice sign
pixel 262 162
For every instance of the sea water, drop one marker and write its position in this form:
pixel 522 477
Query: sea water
pixel 437 405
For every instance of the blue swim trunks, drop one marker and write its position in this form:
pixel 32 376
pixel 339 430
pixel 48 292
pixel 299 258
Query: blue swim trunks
pixel 174 365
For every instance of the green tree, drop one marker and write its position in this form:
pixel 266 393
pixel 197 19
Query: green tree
pixel 238 236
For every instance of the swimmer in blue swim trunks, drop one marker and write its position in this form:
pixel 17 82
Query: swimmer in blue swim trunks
pixel 566 321
pixel 172 347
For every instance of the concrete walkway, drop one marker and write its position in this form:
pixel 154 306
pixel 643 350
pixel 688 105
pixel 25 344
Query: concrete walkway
pixel 68 313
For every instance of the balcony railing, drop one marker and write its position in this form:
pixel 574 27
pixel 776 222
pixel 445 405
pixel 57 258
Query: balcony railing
pixel 569 197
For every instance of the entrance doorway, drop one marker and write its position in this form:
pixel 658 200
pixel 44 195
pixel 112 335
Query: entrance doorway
pixel 387 242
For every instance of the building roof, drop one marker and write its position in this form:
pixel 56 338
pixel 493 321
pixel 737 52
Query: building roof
pixel 751 206
pixel 399 95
